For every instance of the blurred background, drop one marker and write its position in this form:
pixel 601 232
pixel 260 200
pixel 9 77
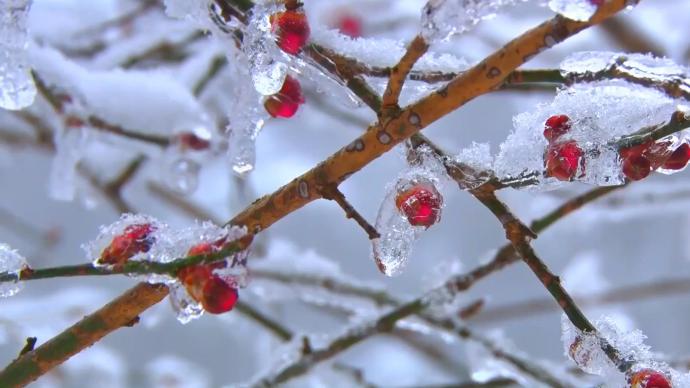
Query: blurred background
pixel 634 239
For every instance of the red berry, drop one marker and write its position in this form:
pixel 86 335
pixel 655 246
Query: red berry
pixel 556 126
pixel 562 160
pixel 189 140
pixel 596 2
pixel 421 204
pixel 291 30
pixel 636 168
pixel 647 378
pixel 286 102
pixel 218 296
pixel 679 158
pixel 350 25
pixel 134 239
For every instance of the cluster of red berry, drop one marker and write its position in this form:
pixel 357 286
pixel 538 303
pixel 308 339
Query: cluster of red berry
pixel 563 158
pixel 640 160
pixel 215 294
pixel 291 31
pixel 421 204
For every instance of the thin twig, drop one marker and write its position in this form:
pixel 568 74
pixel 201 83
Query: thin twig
pixel 398 74
pixel 332 193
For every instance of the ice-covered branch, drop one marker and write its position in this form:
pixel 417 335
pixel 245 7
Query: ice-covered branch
pixel 131 267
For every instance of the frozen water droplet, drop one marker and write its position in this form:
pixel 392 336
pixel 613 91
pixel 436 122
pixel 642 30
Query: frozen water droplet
pixel 242 148
pixel 183 175
pixel 185 306
pixel 579 10
pixel 11 264
pixel 268 73
pixel 442 19
pixel 410 206
pixel 17 89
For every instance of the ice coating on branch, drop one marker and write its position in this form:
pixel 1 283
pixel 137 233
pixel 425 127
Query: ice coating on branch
pixel 17 89
pixel 585 350
pixel 268 73
pixel 639 65
pixel 11 264
pixel 442 19
pixel 599 113
pixel 398 230
pixel 132 237
pixel 579 10
pixel 478 160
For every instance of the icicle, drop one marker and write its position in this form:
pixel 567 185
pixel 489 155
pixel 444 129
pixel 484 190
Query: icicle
pixel 17 89
pixel 268 73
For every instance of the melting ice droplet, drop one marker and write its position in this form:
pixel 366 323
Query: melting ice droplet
pixel 11 264
pixel 411 206
pixel 579 10
pixel 17 89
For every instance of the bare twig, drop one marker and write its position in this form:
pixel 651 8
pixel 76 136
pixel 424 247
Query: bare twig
pixel 398 74
pixel 332 193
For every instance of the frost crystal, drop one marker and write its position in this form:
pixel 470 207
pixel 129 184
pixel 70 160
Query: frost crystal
pixel 599 113
pixel 11 264
pixel 441 19
pixel 17 89
pixel 579 10
pixel 268 74
pixel 398 231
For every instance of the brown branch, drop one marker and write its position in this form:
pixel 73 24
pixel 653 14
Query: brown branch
pixel 399 72
pixel 332 193
pixel 116 314
pixel 636 293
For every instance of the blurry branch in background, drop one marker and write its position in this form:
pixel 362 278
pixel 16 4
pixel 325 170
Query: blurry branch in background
pixel 627 294
pixel 505 256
